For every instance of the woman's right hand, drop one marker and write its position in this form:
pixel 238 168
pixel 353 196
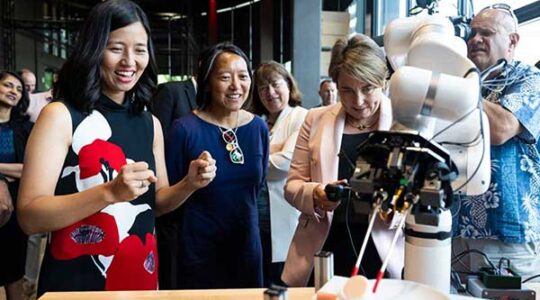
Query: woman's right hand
pixel 132 181
pixel 320 200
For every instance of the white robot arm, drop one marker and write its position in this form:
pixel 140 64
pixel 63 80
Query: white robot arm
pixel 439 128
pixel 435 91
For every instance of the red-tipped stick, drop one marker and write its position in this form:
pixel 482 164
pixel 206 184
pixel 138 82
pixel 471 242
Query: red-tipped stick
pixel 364 243
pixel 392 246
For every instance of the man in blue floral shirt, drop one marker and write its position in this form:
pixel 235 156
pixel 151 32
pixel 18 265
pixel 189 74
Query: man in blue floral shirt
pixel 505 221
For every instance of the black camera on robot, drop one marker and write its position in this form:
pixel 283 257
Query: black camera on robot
pixel 462 27
pixel 392 161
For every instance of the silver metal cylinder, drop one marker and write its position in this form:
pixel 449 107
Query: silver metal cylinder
pixel 324 268
pixel 276 292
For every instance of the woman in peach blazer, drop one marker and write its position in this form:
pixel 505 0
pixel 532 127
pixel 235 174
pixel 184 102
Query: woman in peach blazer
pixel 359 68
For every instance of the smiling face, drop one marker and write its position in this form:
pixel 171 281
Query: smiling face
pixel 274 93
pixel 360 100
pixel 491 38
pixel 229 83
pixel 11 90
pixel 124 60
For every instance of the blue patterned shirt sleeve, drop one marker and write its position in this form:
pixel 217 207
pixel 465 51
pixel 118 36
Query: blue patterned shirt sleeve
pixel 522 98
pixel 510 210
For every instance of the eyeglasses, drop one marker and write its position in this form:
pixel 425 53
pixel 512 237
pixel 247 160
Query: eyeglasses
pixel 506 8
pixel 231 144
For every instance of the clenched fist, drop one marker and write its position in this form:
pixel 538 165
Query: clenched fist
pixel 201 170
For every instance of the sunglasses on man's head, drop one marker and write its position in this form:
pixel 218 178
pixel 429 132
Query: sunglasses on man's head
pixel 506 8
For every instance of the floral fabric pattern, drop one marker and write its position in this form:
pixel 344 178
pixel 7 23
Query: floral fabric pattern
pixel 510 210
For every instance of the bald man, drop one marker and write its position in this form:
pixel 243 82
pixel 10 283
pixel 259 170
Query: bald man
pixel 505 221
pixel 29 80
pixel 328 92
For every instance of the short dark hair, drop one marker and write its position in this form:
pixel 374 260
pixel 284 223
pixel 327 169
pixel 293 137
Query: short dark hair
pixel 263 72
pixel 19 111
pixel 79 80
pixel 325 80
pixel 207 60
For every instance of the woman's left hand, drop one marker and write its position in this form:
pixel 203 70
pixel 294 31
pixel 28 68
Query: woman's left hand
pixel 202 170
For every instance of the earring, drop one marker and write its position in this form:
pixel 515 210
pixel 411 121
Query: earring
pixel 132 98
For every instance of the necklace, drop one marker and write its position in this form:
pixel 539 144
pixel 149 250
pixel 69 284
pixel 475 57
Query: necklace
pixel 363 126
pixel 231 142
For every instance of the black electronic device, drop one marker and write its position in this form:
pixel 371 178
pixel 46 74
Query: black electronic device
pixel 337 192
pixel 476 288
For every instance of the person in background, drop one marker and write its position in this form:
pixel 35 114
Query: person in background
pixel 324 152
pixel 328 92
pixel 29 80
pixel 219 244
pixel 39 100
pixel 14 131
pixel 277 100
pixel 504 223
pixel 171 101
pixel 104 180
pixel 174 100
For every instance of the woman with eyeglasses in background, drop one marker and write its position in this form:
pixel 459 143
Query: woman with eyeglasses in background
pixel 14 131
pixel 219 244
pixel 278 100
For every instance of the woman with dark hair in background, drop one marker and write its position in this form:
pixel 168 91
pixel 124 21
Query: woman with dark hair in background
pixel 104 179
pixel 14 131
pixel 277 99
pixel 219 244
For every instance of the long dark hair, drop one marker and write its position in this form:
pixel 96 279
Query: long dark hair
pixel 19 111
pixel 207 60
pixel 79 80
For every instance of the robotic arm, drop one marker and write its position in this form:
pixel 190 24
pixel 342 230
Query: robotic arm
pixel 437 147
pixel 435 92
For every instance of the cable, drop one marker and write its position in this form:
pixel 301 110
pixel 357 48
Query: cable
pixel 479 107
pixel 454 254
pixel 499 266
pixel 453 123
pixel 347 225
pixel 469 251
pixel 531 278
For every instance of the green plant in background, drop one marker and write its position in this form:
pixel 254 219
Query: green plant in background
pixel 162 78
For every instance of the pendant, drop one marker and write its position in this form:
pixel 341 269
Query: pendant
pixel 236 156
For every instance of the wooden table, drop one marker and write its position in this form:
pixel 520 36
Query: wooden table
pixel 227 294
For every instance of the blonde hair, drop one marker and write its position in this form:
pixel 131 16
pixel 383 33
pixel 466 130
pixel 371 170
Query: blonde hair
pixel 361 58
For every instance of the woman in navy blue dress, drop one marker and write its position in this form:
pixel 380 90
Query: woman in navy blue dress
pixel 219 243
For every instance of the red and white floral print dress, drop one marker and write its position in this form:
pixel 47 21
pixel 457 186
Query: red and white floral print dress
pixel 115 248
